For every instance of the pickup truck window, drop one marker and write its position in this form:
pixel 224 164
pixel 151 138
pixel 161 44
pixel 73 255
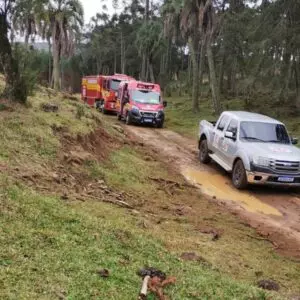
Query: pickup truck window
pixel 233 127
pixel 223 123
pixel 264 132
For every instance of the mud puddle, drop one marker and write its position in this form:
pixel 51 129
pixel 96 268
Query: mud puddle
pixel 274 213
pixel 215 185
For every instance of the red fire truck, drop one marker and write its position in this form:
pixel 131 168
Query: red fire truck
pixel 101 91
pixel 141 103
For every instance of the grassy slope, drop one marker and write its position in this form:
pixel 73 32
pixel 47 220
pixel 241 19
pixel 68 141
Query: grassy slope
pixel 181 118
pixel 52 249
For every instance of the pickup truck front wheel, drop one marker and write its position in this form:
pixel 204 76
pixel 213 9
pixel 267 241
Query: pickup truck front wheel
pixel 203 152
pixel 239 177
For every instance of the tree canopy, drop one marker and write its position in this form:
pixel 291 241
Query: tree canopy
pixel 221 48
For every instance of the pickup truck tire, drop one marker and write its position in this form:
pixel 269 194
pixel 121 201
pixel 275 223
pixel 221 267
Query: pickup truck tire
pixel 239 177
pixel 204 152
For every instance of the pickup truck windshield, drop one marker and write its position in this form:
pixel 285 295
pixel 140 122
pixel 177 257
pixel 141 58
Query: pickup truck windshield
pixel 114 85
pixel 146 97
pixel 264 132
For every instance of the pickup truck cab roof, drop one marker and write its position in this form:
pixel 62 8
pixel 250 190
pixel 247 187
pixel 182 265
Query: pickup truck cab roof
pixel 252 117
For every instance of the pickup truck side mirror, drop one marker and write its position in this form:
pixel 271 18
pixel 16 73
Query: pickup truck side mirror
pixel 230 135
pixel 294 141
pixel 165 103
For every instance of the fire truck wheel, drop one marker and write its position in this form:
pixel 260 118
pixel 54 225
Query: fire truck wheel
pixel 98 105
pixel 128 119
pixel 160 125
pixel 119 117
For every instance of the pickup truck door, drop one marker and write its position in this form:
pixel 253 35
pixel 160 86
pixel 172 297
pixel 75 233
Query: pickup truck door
pixel 218 135
pixel 229 146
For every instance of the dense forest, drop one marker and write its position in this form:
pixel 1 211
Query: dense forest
pixel 218 48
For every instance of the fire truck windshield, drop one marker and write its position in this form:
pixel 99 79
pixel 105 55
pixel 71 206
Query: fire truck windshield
pixel 147 97
pixel 114 84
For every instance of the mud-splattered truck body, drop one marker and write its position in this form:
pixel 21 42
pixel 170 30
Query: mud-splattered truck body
pixel 256 149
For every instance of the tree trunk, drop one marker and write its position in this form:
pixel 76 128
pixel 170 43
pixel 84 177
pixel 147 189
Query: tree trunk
pixel 115 62
pixel 189 69
pixel 201 65
pixel 213 79
pixel 143 70
pixel 297 79
pixel 14 88
pixel 56 66
pixel 145 58
pixel 50 63
pixel 122 54
pixel 221 70
pixel 195 69
pixel 152 78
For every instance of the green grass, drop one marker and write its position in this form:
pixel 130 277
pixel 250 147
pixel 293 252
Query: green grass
pixel 52 249
pixel 27 133
pixel 182 119
pixel 127 169
pixel 49 248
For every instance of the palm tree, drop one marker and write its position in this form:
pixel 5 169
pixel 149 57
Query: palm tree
pixel 24 18
pixel 14 88
pixel 62 20
pixel 191 18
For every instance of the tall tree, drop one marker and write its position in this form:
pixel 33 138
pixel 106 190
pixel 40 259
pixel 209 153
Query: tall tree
pixel 14 89
pixel 64 20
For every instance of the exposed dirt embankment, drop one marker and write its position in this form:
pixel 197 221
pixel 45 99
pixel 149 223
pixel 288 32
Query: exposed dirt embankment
pixel 274 213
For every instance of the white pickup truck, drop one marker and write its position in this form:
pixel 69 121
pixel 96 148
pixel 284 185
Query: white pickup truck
pixel 256 149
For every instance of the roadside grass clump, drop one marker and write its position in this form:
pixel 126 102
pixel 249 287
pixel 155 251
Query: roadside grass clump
pixel 49 249
pixel 127 169
pixel 80 112
pixel 3 107
pixel 94 169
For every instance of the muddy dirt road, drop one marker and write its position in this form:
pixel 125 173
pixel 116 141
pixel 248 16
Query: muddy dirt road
pixel 273 212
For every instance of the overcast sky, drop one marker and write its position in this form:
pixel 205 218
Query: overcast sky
pixel 92 7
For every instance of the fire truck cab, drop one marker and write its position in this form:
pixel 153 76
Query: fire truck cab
pixel 141 103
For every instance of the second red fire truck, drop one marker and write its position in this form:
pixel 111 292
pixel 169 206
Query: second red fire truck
pixel 102 91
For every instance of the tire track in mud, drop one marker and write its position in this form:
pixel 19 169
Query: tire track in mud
pixel 273 212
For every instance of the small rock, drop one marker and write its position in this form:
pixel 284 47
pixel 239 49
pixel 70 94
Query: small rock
pixel 268 284
pixel 64 197
pixel 259 273
pixel 104 273
pixel 49 107
pixel 118 128
pixel 55 176
pixel 191 256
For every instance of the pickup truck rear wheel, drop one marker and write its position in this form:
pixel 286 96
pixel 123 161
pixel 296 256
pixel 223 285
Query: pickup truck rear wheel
pixel 203 152
pixel 239 177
